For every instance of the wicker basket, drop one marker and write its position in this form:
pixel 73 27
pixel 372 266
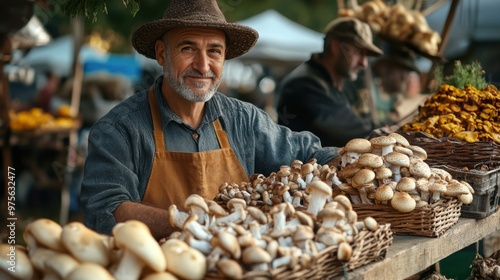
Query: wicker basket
pixel 430 221
pixel 454 152
pixel 367 247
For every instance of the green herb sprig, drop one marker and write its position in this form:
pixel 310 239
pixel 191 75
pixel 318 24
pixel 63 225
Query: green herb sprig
pixel 463 74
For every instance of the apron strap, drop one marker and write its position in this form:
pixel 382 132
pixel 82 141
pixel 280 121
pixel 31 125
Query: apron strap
pixel 221 135
pixel 155 114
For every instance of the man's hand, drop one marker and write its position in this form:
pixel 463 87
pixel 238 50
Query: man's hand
pixel 155 218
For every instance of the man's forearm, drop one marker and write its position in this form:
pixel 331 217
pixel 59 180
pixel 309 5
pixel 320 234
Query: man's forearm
pixel 155 218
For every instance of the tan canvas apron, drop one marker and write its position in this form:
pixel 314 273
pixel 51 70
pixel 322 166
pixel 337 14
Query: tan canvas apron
pixel 176 175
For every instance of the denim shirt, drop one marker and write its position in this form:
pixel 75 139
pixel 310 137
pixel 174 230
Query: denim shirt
pixel 121 148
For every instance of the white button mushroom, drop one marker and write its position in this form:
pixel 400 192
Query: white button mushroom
pixel 184 261
pixel 140 250
pixel 197 205
pixel 256 257
pixel 319 192
pixel 84 244
pixel 20 268
pixel 91 271
pixel 43 233
pixel 395 161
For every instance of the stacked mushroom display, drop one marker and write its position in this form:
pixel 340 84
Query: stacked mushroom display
pixel 246 240
pixel 388 170
pixel 76 252
pixel 396 23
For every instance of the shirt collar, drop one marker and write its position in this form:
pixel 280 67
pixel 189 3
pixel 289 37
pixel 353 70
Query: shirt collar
pixel 212 110
pixel 319 68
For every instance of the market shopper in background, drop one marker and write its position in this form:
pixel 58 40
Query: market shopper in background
pixel 396 82
pixel 313 97
pixel 182 136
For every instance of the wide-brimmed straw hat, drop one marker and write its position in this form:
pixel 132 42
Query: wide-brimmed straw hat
pixel 194 13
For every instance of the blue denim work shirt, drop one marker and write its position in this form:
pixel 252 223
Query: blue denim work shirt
pixel 121 148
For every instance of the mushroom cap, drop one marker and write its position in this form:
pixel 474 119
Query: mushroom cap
pixel 344 201
pixel 319 186
pixel 195 200
pixel 419 151
pixel 363 177
pixel 370 223
pixel 402 202
pixel 234 202
pixel 351 216
pixel 305 218
pixel 370 160
pixel 184 261
pixel 255 255
pixel 306 169
pixel 382 141
pixel 257 214
pixel 344 252
pixel 326 213
pixel 227 242
pixel 441 173
pixel 136 237
pixel 398 159
pixel 84 244
pixel 422 185
pixel 438 186
pixel 384 193
pixel 403 150
pixel 406 184
pixel 382 173
pixel 24 268
pixel 84 270
pixel 303 233
pixel 466 198
pixel 420 169
pixel 471 189
pixel 455 188
pixel 215 209
pixel 400 139
pixel 348 171
pixel 160 276
pixel 358 145
pixel 46 233
pixel 61 264
pixel 229 268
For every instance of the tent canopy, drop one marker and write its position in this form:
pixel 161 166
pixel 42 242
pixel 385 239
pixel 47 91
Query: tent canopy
pixel 281 39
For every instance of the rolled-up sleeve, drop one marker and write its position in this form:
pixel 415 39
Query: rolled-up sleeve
pixel 109 176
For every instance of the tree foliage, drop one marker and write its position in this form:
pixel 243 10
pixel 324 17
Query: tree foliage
pixel 124 16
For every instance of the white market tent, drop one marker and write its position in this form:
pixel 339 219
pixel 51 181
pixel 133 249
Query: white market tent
pixel 281 39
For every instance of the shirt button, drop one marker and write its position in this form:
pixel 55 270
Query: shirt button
pixel 195 136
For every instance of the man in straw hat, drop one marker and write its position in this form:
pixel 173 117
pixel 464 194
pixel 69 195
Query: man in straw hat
pixel 315 92
pixel 181 136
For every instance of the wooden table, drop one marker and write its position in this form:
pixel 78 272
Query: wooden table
pixel 409 255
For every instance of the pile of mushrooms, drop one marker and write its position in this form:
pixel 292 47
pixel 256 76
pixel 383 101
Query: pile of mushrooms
pixel 388 170
pixel 77 252
pixel 288 185
pixel 384 170
pixel 248 239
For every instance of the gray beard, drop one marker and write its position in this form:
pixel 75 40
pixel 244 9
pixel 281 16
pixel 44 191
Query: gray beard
pixel 182 89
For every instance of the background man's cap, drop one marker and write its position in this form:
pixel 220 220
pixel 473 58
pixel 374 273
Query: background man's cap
pixel 194 13
pixel 349 28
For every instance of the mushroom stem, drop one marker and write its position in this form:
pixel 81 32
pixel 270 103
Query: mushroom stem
pixel 129 267
pixel 363 194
